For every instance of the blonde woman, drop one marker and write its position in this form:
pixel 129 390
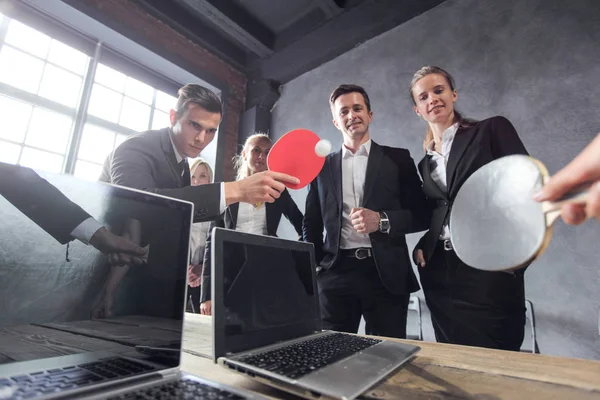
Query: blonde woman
pixel 200 174
pixel 468 306
pixel 259 218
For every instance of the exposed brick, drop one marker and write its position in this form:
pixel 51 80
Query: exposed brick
pixel 130 18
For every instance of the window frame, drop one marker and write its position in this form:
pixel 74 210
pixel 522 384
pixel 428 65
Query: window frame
pixel 98 52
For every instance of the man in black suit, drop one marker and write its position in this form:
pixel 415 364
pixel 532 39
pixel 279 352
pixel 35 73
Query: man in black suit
pixel 52 211
pixel 156 161
pixel 367 197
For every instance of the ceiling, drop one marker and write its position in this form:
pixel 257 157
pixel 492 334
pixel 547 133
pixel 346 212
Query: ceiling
pixel 278 40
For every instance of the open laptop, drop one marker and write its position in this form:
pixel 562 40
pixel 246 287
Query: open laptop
pixel 50 346
pixel 267 322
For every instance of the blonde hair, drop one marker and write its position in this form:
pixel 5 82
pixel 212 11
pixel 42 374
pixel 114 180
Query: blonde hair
pixel 199 162
pixel 458 117
pixel 239 163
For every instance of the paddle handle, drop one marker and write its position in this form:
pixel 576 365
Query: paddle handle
pixel 577 195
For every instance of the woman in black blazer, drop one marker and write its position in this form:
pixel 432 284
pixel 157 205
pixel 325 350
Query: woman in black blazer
pixel 260 218
pixel 468 306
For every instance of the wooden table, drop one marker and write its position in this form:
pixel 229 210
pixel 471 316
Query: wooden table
pixel 439 371
pixel 118 335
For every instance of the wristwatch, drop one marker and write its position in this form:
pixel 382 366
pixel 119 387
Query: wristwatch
pixel 384 223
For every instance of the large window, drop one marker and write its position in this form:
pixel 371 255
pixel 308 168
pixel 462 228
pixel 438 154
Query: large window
pixel 119 105
pixel 56 115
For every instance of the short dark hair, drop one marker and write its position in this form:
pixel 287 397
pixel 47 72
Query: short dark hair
pixel 349 88
pixel 193 93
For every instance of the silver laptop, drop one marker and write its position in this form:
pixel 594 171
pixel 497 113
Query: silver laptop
pixel 267 322
pixel 51 346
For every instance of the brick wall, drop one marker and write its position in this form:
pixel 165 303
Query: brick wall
pixel 130 19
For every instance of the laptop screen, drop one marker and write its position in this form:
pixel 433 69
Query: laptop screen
pixel 58 300
pixel 264 291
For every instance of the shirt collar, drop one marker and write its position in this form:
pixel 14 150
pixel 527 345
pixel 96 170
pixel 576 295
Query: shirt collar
pixel 447 136
pixel 178 156
pixel 363 150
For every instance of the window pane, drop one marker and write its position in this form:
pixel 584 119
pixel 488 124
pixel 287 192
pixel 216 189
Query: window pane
pixel 9 152
pixel 135 115
pixel 105 103
pixel 60 85
pixel 27 39
pixel 20 70
pixel 164 101
pixel 95 144
pixel 139 90
pixel 49 130
pixel 67 57
pixel 87 170
pixel 160 120
pixel 120 139
pixel 38 159
pixel 14 118
pixel 110 78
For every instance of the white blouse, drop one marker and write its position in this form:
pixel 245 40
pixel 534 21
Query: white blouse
pixel 198 235
pixel 252 219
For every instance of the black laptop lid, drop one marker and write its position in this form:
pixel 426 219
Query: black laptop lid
pixel 264 291
pixel 49 300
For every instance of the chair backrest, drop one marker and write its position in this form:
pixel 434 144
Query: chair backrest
pixel 529 340
pixel 414 329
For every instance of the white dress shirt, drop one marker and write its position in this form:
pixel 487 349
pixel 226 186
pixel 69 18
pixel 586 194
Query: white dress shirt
pixel 354 169
pixel 252 219
pixel 85 230
pixel 437 166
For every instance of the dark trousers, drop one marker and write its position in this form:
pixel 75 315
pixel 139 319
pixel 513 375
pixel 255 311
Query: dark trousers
pixel 473 307
pixel 353 289
pixel 193 300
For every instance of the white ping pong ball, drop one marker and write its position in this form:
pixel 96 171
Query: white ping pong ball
pixel 323 147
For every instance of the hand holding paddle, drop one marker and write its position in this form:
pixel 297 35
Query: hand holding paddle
pixel 300 153
pixel 495 224
pixel 260 187
pixel 585 167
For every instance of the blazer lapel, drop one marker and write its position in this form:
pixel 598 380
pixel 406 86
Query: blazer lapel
pixel 429 185
pixel 270 213
pixel 373 164
pixel 169 153
pixel 462 139
pixel 233 211
pixel 335 168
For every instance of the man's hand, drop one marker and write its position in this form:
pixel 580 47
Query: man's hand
pixel 364 220
pixel 261 187
pixel 195 275
pixel 120 250
pixel 205 308
pixel 104 308
pixel 420 258
pixel 584 168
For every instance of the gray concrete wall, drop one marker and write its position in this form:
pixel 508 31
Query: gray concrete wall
pixel 537 62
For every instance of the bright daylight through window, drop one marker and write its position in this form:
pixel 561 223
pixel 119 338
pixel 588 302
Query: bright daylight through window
pixel 42 83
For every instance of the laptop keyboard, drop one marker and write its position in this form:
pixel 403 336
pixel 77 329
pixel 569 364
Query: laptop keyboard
pixel 182 389
pixel 299 359
pixel 72 377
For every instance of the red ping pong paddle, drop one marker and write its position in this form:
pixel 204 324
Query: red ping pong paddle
pixel 295 154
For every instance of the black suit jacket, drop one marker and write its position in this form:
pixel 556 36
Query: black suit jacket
pixel 147 161
pixel 472 148
pixel 392 185
pixel 40 201
pixel 284 205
